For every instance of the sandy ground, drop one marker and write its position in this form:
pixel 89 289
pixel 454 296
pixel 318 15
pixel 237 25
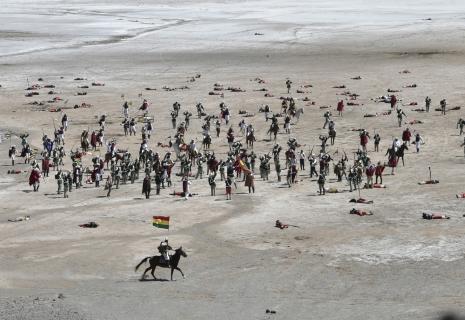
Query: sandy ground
pixel 337 266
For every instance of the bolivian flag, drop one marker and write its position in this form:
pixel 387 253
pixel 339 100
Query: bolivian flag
pixel 161 222
pixel 244 167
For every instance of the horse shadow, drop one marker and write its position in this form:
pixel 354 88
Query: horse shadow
pixel 26 191
pixel 102 197
pixel 139 198
pixel 153 280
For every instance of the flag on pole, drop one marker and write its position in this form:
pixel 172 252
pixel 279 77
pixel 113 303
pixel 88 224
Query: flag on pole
pixel 161 222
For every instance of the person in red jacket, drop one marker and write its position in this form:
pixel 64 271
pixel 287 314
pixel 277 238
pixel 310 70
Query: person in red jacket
pixel 379 172
pixel 93 140
pixel 45 166
pixel 393 101
pixel 340 107
pixel 364 136
pixel 406 135
pixel 34 178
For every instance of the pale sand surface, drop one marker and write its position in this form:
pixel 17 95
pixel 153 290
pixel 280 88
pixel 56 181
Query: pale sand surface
pixel 338 266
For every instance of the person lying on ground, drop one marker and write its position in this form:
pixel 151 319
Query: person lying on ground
pixel 433 216
pixel 281 225
pixel 361 200
pixel 360 213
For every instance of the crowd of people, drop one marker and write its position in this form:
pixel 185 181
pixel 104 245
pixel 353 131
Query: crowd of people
pixel 190 161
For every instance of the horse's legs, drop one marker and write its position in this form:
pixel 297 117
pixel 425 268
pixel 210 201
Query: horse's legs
pixel 143 275
pixel 403 164
pixel 177 268
pixel 153 272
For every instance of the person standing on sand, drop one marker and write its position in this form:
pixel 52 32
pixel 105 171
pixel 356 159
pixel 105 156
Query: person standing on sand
pixel 379 172
pixel 59 179
pixel 418 141
pixel 212 183
pixel 443 104
pixel 158 182
pixel 392 158
pixel 400 116
pixel 340 107
pixel 228 184
pixel 393 101
pixel 132 127
pixel 218 128
pixel 12 154
pixel 45 166
pixel 288 86
pixel 369 171
pixel 200 161
pixel 149 128
pixel 460 125
pixel 64 122
pixel 287 124
pixel 277 166
pixel 250 182
pixel 377 139
pixel 65 185
pixel 427 103
pixel 321 184
pixel 227 115
pixel 126 110
pixel 34 178
pixel 109 184
pixel 186 186
pixel 364 136
pixel 327 116
pixel 146 186
pixel 69 177
pixel 406 135
pixel 313 162
pixel 173 119
pixel 302 160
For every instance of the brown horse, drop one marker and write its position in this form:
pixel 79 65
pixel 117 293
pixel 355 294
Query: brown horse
pixel 250 139
pixel 274 129
pixel 401 152
pixel 85 141
pixel 157 261
pixel 109 156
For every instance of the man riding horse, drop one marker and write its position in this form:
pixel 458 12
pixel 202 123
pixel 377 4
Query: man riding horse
pixel 164 249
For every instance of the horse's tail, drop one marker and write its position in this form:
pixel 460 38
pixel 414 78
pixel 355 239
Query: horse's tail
pixel 140 263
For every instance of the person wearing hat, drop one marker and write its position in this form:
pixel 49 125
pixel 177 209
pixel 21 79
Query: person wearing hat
pixel 164 249
pixel 12 154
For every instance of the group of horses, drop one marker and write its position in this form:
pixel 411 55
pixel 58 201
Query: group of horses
pixel 274 127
